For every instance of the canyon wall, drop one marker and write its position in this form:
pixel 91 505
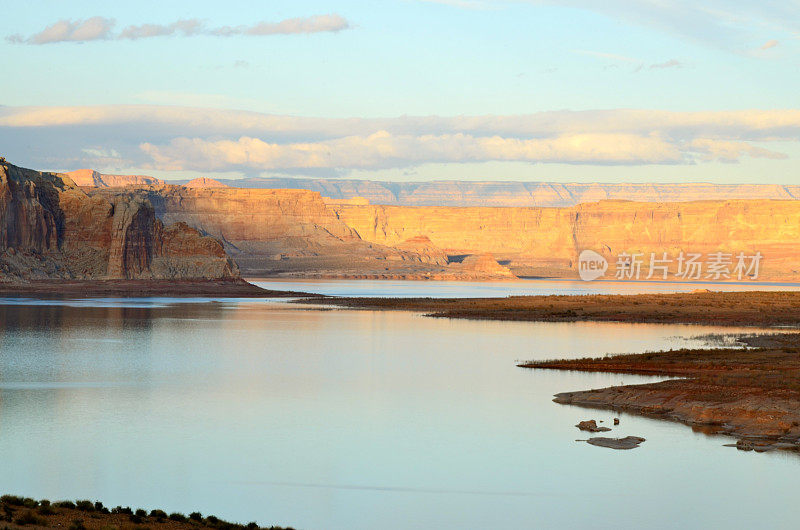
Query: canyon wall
pixel 553 237
pixel 520 194
pixel 298 232
pixel 282 231
pixel 469 193
pixel 50 228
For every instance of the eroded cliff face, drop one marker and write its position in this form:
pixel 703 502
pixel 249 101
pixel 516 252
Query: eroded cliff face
pixel 50 228
pixel 553 237
pixel 471 193
pixel 298 232
pixel 291 232
pixel 94 179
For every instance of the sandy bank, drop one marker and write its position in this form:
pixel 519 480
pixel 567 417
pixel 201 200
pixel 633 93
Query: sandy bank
pixel 752 394
pixel 755 308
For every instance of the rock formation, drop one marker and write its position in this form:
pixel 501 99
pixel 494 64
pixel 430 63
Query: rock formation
pixel 50 228
pixel 547 241
pixel 470 193
pixel 203 182
pixel 629 442
pixel 591 426
pixel 484 264
pixel 93 179
pixel 298 232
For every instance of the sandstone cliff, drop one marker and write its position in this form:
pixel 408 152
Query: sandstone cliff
pixel 297 232
pixel 550 239
pixel 471 193
pixel 50 228
pixel 94 179
pixel 294 233
pixel 203 182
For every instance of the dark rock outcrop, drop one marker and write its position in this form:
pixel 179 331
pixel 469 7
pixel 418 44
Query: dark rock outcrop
pixel 629 442
pixel 591 426
pixel 50 228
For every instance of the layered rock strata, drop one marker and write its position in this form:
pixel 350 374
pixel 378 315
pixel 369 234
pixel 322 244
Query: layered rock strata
pixel 50 228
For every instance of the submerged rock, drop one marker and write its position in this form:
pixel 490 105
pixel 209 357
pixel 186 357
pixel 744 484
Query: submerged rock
pixel 591 426
pixel 629 442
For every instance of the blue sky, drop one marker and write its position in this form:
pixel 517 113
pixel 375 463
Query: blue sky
pixel 706 78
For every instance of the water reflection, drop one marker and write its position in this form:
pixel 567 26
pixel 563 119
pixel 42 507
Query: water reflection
pixel 349 419
pixel 455 289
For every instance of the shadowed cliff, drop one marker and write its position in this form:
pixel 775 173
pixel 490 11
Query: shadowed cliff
pixel 50 228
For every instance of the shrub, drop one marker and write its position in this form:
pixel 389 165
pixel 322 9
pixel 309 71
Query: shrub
pixel 196 516
pixel 77 524
pixel 84 506
pixel 179 517
pixel 211 520
pixel 123 510
pixel 252 526
pixel 141 513
pixel 158 514
pixel 69 505
pixel 13 500
pixel 30 518
pixel 45 508
pixel 135 519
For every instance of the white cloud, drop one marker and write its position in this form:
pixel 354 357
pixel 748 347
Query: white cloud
pixel 95 28
pixel 182 138
pixel 382 149
pixel 314 24
pixel 186 28
pixel 769 44
pixel 99 28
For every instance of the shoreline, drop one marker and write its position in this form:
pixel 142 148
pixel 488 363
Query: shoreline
pixel 25 512
pixel 54 289
pixel 751 393
pixel 763 309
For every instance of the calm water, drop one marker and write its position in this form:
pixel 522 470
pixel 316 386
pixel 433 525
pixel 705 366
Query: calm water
pixel 449 289
pixel 258 410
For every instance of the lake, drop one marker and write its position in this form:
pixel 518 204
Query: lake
pixel 342 419
pixel 456 289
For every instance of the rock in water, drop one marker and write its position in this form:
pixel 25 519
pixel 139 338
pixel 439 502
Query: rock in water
pixel 591 426
pixel 629 442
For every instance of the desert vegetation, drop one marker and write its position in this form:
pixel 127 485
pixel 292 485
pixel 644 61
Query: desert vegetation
pixel 17 512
